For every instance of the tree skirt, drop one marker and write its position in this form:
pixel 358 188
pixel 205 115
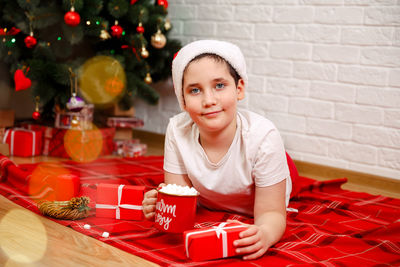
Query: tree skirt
pixel 332 226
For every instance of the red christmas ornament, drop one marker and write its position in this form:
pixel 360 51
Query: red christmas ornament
pixel 36 115
pixel 163 3
pixel 21 82
pixel 116 31
pixel 133 1
pixel 30 41
pixel 72 18
pixel 140 28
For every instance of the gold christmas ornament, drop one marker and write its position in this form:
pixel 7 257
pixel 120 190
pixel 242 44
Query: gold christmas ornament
pixel 167 25
pixel 75 121
pixel 104 35
pixel 158 40
pixel 143 52
pixel 148 79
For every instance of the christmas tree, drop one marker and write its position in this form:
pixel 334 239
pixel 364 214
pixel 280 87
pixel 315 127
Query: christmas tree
pixel 45 44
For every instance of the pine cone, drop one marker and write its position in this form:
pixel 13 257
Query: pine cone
pixel 80 203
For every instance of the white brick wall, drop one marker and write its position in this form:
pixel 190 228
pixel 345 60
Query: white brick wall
pixel 326 72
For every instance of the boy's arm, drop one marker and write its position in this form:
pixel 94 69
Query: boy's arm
pixel 179 179
pixel 269 221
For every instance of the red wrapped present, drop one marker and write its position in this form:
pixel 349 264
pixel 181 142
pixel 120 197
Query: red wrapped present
pixel 23 142
pixel 84 118
pixel 125 122
pixel 134 150
pixel 34 127
pixel 76 144
pixel 120 201
pixel 119 145
pixel 212 242
pixel 50 181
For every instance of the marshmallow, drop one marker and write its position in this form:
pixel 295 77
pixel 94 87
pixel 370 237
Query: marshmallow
pixel 86 226
pixel 175 189
pixel 105 234
pixel 228 51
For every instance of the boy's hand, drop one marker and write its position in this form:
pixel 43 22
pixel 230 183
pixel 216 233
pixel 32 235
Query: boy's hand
pixel 253 242
pixel 149 203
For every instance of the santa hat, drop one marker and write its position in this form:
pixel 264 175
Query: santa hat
pixel 228 51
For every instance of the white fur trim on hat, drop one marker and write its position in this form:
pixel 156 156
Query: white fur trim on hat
pixel 228 51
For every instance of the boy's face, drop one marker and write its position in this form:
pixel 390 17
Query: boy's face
pixel 210 94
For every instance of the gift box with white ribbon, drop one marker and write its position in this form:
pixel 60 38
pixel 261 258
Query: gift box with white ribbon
pixel 212 242
pixel 23 142
pixel 120 201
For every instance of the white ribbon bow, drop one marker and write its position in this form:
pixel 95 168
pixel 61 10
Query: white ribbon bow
pixel 119 205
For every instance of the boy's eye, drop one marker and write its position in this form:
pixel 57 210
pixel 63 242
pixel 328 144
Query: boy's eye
pixel 219 85
pixel 194 91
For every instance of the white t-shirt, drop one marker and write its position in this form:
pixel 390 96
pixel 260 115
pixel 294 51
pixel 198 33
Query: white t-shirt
pixel 256 157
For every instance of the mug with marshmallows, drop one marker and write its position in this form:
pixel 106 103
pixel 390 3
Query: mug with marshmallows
pixel 176 208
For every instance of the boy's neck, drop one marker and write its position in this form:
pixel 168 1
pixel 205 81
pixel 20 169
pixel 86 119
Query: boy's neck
pixel 217 144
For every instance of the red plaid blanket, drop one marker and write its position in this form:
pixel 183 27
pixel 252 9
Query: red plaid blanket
pixel 332 227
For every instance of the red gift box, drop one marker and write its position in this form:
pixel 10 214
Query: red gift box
pixel 23 142
pixel 134 150
pixel 54 145
pixel 120 201
pixel 212 242
pixel 119 145
pixel 125 122
pixel 84 118
pixel 49 183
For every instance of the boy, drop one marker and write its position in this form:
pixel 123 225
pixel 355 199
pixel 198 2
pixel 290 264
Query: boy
pixel 235 159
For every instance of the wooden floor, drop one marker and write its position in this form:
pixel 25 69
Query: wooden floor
pixel 27 239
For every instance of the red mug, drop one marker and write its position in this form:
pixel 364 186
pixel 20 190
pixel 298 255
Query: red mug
pixel 175 213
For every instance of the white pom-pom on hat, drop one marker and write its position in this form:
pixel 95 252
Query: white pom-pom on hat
pixel 228 51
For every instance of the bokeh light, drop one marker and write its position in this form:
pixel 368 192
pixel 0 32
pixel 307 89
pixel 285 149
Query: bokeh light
pixel 13 237
pixel 83 145
pixel 51 181
pixel 94 80
pixel 114 86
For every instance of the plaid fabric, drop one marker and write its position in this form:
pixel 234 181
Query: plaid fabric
pixel 333 227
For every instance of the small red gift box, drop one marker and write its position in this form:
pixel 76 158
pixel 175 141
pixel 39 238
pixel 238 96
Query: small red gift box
pixel 212 242
pixel 120 201
pixel 125 122
pixel 134 150
pixel 119 145
pixel 23 142
pixel 54 142
pixel 84 118
pixel 57 186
